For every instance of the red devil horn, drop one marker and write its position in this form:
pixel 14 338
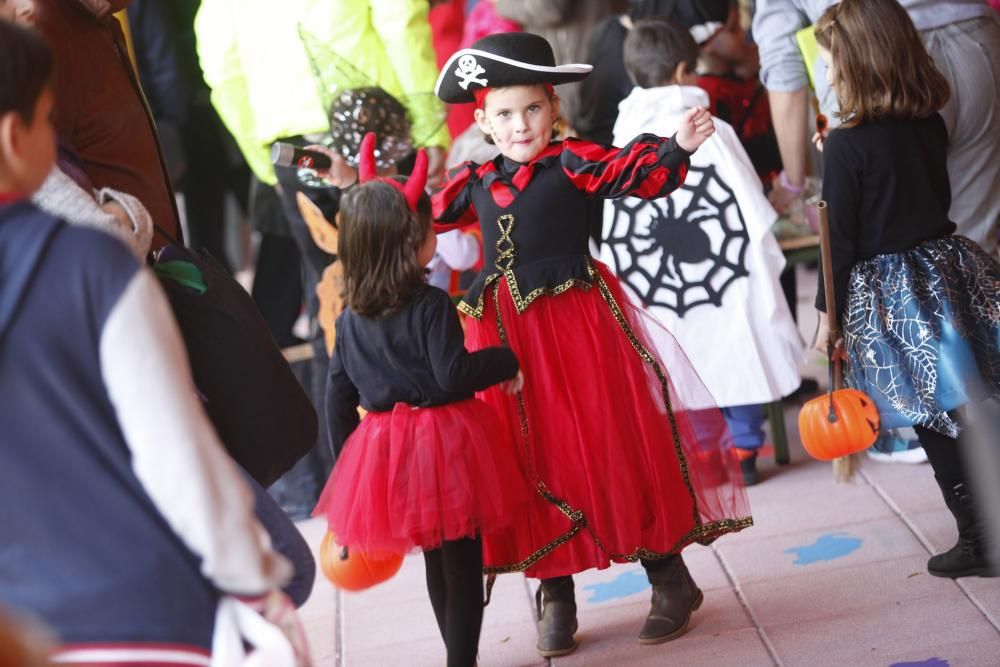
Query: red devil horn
pixel 417 180
pixel 366 159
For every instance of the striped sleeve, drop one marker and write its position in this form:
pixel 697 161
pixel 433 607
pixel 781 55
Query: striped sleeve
pixel 648 167
pixel 452 201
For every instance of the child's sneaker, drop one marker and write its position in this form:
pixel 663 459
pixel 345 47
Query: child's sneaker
pixel 892 447
pixel 748 465
pixel 915 455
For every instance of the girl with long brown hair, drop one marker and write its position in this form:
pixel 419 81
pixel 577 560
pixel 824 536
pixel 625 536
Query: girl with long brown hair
pixel 425 469
pixel 916 304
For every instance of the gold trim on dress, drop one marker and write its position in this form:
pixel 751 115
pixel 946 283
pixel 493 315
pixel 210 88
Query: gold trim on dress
pixel 505 244
pixel 504 262
pixel 705 534
pixel 520 303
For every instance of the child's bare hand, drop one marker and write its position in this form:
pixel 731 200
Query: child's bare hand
pixel 340 174
pixel 822 341
pixel 514 385
pixel 696 126
pixel 817 140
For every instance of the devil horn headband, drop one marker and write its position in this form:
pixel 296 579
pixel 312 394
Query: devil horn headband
pixel 414 186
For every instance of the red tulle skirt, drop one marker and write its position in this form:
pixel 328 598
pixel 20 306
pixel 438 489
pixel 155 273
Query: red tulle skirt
pixel 618 473
pixel 415 477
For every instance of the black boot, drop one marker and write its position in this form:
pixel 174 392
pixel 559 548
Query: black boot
pixel 969 557
pixel 556 603
pixel 675 597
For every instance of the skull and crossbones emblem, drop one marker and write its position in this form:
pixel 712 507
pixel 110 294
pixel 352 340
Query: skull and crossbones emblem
pixel 469 71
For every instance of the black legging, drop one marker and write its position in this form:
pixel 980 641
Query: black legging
pixel 455 584
pixel 944 454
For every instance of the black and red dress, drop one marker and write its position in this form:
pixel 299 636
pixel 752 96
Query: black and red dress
pixel 626 462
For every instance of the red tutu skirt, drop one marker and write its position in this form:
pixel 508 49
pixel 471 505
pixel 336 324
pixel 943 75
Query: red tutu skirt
pixel 416 477
pixel 624 465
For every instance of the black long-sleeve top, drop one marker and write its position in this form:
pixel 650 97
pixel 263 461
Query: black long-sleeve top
pixel 886 185
pixel 532 215
pixel 415 356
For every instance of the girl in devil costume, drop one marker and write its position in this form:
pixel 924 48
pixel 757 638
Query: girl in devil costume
pixel 603 433
pixel 426 467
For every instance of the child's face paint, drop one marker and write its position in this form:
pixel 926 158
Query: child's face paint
pixel 519 118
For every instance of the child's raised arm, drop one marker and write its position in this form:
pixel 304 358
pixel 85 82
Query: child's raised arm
pixel 647 167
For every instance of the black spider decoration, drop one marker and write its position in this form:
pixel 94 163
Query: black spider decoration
pixel 682 251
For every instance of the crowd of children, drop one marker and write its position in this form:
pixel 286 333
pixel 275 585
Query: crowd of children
pixel 574 410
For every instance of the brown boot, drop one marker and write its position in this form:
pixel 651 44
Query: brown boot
pixel 556 603
pixel 675 597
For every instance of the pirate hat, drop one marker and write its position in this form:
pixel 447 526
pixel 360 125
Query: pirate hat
pixel 504 59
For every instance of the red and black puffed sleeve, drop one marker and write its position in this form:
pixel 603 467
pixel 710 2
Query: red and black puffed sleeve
pixel 648 167
pixel 452 200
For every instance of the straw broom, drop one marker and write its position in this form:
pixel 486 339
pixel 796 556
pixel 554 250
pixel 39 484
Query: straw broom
pixel 844 467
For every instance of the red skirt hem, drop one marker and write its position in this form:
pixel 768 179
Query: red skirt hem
pixel 413 478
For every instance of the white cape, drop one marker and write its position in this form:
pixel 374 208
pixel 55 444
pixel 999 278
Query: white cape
pixel 703 261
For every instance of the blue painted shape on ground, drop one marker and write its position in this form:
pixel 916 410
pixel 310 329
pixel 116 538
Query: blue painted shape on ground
pixel 830 546
pixel 932 662
pixel 625 584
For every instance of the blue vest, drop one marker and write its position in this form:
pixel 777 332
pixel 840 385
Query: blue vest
pixel 83 547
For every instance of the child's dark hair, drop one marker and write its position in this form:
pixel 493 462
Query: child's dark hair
pixel 881 67
pixel 654 48
pixel 25 70
pixel 378 245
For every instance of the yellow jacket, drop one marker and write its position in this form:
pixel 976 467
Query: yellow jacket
pixel 262 81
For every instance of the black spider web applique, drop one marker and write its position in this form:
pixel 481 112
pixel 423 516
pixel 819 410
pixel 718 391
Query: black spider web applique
pixel 682 251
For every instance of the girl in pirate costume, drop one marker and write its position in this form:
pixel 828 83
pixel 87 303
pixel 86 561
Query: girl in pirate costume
pixel 425 467
pixel 603 433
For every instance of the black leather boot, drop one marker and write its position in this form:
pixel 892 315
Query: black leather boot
pixel 969 557
pixel 556 601
pixel 675 597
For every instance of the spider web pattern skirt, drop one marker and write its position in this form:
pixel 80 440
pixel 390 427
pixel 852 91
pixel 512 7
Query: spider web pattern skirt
pixel 922 331
pixel 620 467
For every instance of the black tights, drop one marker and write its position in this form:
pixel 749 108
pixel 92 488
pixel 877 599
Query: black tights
pixel 944 454
pixel 455 584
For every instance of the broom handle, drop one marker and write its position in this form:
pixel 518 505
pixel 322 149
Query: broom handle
pixel 833 326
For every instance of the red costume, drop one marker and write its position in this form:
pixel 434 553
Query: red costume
pixel 604 434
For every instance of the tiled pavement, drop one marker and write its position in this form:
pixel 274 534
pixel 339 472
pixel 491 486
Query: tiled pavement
pixel 830 575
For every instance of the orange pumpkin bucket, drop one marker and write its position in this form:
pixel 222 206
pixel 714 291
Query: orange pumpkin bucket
pixel 353 570
pixel 841 423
